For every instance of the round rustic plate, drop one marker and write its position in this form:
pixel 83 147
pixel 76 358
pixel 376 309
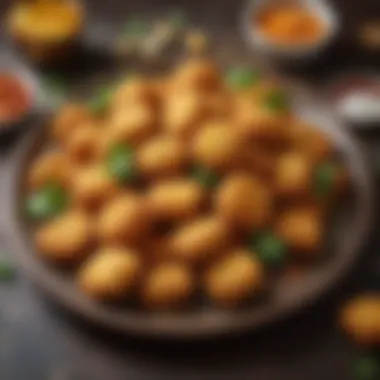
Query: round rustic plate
pixel 348 235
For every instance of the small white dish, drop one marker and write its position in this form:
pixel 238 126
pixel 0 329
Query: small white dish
pixel 355 97
pixel 257 41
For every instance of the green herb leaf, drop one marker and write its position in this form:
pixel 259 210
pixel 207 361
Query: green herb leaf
pixel 324 177
pixel 7 271
pixel 205 176
pixel 242 78
pixel 101 101
pixel 270 249
pixel 136 28
pixel 47 202
pixel 366 368
pixel 121 164
pixel 277 101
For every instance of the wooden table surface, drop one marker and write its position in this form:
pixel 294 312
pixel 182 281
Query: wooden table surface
pixel 40 342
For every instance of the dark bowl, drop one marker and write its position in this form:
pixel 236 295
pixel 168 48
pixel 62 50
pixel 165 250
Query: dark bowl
pixel 348 235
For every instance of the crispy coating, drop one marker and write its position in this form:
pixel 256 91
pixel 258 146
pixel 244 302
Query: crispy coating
pixel 217 146
pixel 83 143
pixel 302 229
pixel 255 122
pixel 197 74
pixel 235 278
pixel 92 186
pixel 183 113
pixel 163 156
pixel 244 202
pixel 257 160
pixel 67 238
pixel 68 119
pixel 110 274
pixel 167 286
pixel 52 166
pixel 125 219
pixel 134 123
pixel 201 240
pixel 293 175
pixel 175 200
pixel 308 140
pixel 360 319
pixel 134 90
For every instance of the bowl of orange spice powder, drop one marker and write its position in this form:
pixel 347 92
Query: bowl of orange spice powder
pixel 290 29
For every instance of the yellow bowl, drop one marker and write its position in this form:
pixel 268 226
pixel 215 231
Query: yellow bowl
pixel 46 29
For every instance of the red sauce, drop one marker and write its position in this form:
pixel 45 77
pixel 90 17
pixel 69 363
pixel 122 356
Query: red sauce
pixel 14 97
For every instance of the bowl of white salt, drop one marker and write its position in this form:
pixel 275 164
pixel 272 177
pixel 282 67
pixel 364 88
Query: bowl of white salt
pixel 355 97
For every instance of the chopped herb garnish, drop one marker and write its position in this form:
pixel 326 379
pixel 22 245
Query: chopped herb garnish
pixel 205 176
pixel 270 249
pixel 277 101
pixel 324 178
pixel 47 202
pixel 242 78
pixel 121 164
pixel 366 368
pixel 101 101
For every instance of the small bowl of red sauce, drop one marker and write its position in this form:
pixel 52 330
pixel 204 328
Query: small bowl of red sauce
pixel 19 99
pixel 290 29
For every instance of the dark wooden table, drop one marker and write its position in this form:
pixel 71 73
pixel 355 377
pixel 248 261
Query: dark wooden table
pixel 40 342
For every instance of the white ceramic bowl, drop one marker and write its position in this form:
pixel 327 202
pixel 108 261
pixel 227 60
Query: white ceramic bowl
pixel 262 45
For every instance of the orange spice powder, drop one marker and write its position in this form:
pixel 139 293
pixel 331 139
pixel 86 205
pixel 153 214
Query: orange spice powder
pixel 290 24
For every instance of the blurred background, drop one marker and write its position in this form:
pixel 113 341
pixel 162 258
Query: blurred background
pixel 39 341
